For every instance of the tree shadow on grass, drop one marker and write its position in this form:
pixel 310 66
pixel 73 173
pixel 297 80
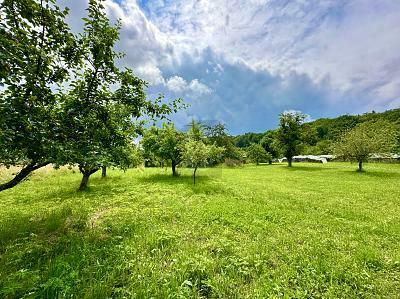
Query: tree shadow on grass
pixel 39 191
pixel 104 189
pixel 373 174
pixel 204 183
pixel 307 168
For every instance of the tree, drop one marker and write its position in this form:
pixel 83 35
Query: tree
pixel 257 154
pixel 165 143
pixel 218 135
pixel 101 111
pixel 289 134
pixel 195 131
pixel 197 154
pixel 365 139
pixel 36 51
pixel 269 143
pixel 247 139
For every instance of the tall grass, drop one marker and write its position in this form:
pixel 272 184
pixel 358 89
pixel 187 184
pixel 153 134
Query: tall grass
pixel 250 232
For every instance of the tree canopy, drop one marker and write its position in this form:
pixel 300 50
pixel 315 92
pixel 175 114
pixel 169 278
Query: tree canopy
pixel 256 153
pixel 102 109
pixel 37 50
pixel 365 139
pixel 165 143
pixel 92 118
pixel 289 134
pixel 198 154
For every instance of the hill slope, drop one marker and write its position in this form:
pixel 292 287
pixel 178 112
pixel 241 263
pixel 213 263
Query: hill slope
pixel 321 133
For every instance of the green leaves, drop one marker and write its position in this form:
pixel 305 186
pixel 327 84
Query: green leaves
pixel 107 107
pixel 198 154
pixel 289 134
pixel 365 139
pixel 256 153
pixel 91 119
pixel 37 50
pixel 165 144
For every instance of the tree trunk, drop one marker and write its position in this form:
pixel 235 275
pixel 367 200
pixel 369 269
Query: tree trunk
pixel 85 178
pixel 84 182
pixel 103 171
pixel 22 175
pixel 269 162
pixel 359 166
pixel 289 162
pixel 173 168
pixel 194 176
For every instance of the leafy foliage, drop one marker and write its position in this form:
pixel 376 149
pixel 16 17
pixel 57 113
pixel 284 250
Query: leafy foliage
pixel 164 143
pixel 247 139
pixel 256 153
pixel 100 111
pixel 219 136
pixel 36 52
pixel 365 139
pixel 289 134
pixel 320 136
pixel 270 143
pixel 198 154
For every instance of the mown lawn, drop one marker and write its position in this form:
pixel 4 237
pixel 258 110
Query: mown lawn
pixel 254 232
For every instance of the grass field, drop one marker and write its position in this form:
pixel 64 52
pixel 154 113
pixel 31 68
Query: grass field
pixel 254 232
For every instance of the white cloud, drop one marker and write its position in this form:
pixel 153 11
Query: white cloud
pixel 342 55
pixel 177 84
pixel 181 86
pixel 199 88
pixel 151 74
pixel 351 43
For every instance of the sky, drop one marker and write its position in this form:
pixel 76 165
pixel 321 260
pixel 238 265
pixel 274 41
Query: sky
pixel 243 62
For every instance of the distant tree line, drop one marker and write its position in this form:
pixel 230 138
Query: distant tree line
pixel 319 136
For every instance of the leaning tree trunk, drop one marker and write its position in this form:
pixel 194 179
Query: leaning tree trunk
pixel 22 175
pixel 84 182
pixel 86 173
pixel 103 171
pixel 194 176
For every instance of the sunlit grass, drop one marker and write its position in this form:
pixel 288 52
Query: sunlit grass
pixel 257 231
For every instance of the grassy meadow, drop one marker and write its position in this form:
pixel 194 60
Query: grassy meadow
pixel 252 232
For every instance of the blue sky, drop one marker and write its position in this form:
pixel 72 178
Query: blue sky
pixel 242 62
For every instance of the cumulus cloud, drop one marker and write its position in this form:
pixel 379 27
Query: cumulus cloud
pixel 176 84
pixel 179 85
pixel 352 43
pixel 150 73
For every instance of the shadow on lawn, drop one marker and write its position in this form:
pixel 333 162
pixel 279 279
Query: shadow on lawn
pixel 374 174
pixel 307 168
pixel 207 184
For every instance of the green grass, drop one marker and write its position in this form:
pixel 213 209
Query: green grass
pixel 254 232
